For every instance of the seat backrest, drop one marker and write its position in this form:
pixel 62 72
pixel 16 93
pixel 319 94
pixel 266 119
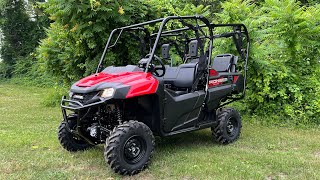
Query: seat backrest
pixel 193 48
pixel 165 48
pixel 185 75
pixel 225 63
pixel 193 52
pixel 171 73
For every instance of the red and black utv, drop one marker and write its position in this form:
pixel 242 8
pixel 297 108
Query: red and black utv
pixel 178 84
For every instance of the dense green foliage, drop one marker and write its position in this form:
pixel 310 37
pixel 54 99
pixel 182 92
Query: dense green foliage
pixel 21 34
pixel 77 37
pixel 284 69
pixel 14 25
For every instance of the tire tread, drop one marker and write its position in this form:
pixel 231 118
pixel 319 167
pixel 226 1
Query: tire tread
pixel 114 141
pixel 67 142
pixel 217 131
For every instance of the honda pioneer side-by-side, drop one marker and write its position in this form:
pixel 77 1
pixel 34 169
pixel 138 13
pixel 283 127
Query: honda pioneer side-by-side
pixel 176 80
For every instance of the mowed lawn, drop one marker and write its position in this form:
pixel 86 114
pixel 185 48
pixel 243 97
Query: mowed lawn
pixel 29 149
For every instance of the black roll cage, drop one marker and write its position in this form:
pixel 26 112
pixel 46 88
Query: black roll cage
pixel 238 29
pixel 139 26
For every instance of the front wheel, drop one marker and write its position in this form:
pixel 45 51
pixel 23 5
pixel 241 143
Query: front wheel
pixel 228 126
pixel 69 141
pixel 129 148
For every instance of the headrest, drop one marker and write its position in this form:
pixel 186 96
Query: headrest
pixel 165 51
pixel 225 62
pixel 193 48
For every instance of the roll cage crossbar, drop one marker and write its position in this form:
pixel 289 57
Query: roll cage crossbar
pixel 238 31
pixel 139 26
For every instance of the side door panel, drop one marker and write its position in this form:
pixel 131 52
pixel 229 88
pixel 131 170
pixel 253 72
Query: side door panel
pixel 181 111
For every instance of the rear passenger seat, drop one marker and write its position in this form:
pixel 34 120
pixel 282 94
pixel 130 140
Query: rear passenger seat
pixel 225 63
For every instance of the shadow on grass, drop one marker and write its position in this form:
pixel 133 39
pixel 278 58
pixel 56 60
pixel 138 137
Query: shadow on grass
pixel 185 142
pixel 166 148
pixel 195 138
pixel 189 139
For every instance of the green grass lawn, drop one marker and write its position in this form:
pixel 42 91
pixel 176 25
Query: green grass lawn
pixel 29 149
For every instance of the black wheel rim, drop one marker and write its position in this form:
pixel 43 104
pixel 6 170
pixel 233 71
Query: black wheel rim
pixel 232 126
pixel 134 149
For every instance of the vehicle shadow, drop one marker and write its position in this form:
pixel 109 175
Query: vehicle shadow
pixel 195 138
pixel 166 149
pixel 185 140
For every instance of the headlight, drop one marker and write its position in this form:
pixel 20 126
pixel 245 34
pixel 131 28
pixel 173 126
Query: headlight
pixel 107 93
pixel 70 94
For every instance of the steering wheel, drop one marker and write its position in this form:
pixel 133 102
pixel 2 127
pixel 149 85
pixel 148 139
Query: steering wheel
pixel 154 69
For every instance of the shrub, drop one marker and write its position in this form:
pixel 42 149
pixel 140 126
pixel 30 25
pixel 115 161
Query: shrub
pixel 77 37
pixel 53 97
pixel 80 30
pixel 283 65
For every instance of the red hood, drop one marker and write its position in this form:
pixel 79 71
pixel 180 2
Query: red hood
pixel 140 83
pixel 124 78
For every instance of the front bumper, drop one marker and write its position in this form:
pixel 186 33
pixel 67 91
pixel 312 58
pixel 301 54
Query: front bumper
pixel 81 110
pixel 65 104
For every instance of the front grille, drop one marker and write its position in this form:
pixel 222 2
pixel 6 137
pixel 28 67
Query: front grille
pixel 85 97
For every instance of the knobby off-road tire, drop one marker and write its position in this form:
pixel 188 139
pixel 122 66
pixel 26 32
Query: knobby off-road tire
pixel 69 141
pixel 228 126
pixel 129 148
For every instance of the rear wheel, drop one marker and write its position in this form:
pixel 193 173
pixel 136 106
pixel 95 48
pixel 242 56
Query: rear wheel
pixel 69 141
pixel 129 148
pixel 228 126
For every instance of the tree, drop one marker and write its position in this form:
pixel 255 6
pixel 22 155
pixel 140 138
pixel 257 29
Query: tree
pixel 15 27
pixel 20 32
